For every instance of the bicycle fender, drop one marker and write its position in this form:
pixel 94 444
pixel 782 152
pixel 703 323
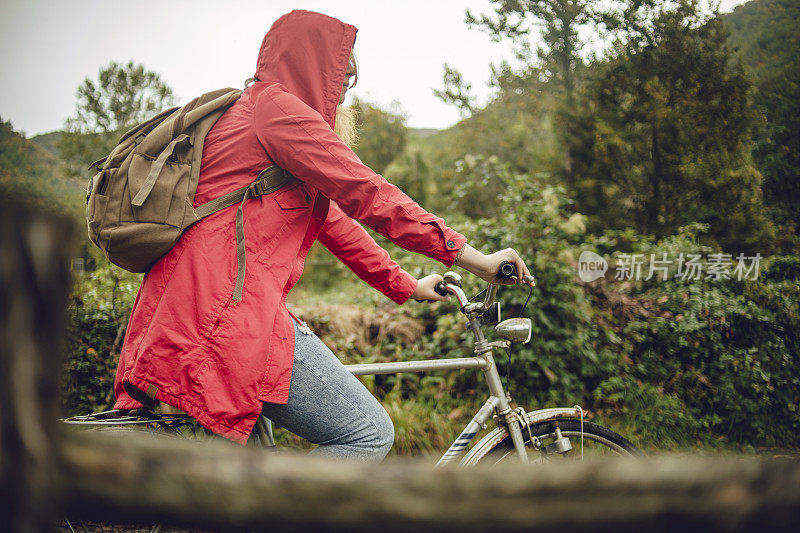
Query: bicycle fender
pixel 491 440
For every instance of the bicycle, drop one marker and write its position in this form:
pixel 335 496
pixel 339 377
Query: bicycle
pixel 536 435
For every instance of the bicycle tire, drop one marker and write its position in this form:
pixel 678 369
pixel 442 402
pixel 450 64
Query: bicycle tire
pixel 599 438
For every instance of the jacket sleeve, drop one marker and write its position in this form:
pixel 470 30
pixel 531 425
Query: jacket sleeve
pixel 298 140
pixel 354 247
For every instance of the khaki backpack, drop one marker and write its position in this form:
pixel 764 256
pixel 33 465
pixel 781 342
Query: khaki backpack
pixel 140 201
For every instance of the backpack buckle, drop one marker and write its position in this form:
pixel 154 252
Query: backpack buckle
pixel 257 188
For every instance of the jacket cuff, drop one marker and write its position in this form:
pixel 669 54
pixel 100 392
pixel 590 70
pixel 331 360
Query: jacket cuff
pixel 403 287
pixel 452 242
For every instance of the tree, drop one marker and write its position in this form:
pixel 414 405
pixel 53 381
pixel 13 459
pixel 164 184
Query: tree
pixel 548 37
pixel 121 97
pixel 765 34
pixel 382 134
pixel 457 91
pixel 555 23
pixel 778 141
pixel 547 48
pixel 665 137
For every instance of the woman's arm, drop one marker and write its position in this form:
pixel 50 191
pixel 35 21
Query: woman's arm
pixel 354 247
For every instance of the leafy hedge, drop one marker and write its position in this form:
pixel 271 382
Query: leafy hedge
pixel 728 353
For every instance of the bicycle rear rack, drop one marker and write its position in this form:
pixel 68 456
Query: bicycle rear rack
pixel 121 418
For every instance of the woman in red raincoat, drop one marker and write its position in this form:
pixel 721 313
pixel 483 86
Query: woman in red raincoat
pixel 193 346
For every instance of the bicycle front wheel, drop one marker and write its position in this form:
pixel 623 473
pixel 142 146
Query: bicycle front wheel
pixel 586 439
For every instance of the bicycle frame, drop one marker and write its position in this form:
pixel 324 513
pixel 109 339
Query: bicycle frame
pixel 492 405
pixel 498 403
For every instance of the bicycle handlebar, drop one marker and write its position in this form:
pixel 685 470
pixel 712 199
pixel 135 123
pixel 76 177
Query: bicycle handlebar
pixel 507 270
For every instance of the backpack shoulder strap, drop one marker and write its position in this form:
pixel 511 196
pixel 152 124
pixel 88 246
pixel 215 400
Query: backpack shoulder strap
pixel 269 180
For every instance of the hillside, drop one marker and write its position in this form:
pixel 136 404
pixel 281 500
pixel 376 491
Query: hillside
pixel 47 141
pixel 422 133
pixel 765 32
pixel 31 174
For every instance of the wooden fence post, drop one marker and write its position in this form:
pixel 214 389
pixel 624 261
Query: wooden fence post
pixel 35 250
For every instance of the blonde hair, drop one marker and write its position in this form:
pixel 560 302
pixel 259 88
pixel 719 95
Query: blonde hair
pixel 345 125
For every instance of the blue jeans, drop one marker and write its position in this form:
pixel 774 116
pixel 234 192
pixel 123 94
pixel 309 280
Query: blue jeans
pixel 330 407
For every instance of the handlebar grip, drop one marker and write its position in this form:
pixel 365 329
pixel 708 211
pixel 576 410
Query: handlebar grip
pixel 507 270
pixel 440 289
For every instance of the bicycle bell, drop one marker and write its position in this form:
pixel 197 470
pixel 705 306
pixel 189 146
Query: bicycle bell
pixel 515 329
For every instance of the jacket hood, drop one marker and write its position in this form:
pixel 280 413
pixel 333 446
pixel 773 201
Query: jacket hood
pixel 307 53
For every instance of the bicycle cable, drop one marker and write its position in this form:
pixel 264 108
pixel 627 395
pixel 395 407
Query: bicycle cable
pixel 471 299
pixel 511 346
pixel 530 292
pixel 508 370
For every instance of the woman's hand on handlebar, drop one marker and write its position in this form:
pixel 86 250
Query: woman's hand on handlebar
pixel 425 289
pixel 486 267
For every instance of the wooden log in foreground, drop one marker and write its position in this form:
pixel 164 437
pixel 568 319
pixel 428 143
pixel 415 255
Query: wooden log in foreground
pixel 219 485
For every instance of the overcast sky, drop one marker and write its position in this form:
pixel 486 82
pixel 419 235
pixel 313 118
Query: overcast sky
pixel 50 46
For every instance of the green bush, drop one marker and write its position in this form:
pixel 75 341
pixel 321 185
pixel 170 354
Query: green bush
pixel 569 354
pixel 673 362
pixel 98 315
